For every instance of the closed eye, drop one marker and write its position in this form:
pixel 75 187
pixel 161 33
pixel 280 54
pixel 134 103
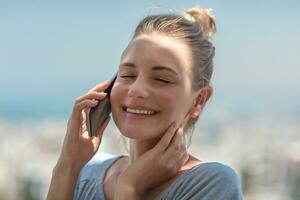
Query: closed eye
pixel 127 76
pixel 163 80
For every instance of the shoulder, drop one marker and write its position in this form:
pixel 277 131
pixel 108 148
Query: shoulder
pixel 214 180
pixel 215 171
pixel 89 181
pixel 209 180
pixel 96 166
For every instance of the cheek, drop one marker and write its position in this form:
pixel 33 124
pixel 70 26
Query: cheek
pixel 116 95
pixel 176 105
pixel 171 104
pixel 167 100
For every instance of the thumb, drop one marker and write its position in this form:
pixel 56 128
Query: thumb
pixel 100 131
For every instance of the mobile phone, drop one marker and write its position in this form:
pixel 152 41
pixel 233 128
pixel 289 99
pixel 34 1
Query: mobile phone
pixel 98 114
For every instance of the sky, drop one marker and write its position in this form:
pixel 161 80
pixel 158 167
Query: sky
pixel 53 51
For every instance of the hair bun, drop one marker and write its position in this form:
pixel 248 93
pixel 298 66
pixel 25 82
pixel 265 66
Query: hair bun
pixel 204 17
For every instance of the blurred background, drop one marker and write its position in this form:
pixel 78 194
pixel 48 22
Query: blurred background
pixel 54 51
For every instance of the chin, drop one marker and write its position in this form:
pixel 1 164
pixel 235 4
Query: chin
pixel 136 134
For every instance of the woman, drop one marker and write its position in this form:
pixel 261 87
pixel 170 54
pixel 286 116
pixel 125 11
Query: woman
pixel 162 86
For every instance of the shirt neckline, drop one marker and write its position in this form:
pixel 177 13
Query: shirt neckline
pixel 111 161
pixel 108 163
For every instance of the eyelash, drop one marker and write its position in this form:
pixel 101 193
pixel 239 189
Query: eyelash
pixel 158 79
pixel 126 76
pixel 163 80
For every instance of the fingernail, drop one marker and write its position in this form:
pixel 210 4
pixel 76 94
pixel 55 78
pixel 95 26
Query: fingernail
pixel 180 130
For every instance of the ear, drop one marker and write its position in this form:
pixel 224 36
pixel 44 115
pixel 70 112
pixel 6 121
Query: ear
pixel 202 97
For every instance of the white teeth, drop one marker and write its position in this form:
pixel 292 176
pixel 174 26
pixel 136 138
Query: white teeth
pixel 143 112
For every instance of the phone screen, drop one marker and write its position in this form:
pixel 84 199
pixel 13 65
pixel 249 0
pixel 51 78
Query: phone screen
pixel 98 114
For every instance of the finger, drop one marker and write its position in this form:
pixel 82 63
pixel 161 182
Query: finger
pixel 77 110
pixel 84 115
pixel 100 131
pixel 182 136
pixel 176 153
pixel 180 160
pixel 83 121
pixel 100 87
pixel 166 138
pixel 185 158
pixel 177 145
pixel 91 95
pixel 185 121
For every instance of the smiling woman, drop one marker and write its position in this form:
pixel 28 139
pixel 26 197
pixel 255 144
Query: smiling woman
pixel 162 86
pixel 158 75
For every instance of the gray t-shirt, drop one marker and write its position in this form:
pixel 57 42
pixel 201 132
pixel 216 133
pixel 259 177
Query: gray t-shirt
pixel 207 181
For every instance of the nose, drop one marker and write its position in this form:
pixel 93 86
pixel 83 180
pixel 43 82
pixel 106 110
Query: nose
pixel 139 88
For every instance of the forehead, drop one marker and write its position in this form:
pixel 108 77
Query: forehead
pixel 156 49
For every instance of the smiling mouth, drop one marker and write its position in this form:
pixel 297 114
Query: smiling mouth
pixel 139 111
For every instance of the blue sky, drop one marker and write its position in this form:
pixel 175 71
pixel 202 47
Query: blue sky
pixel 53 51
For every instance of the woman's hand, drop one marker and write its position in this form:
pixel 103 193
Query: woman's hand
pixel 156 165
pixel 78 147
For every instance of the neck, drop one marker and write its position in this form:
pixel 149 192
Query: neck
pixel 139 147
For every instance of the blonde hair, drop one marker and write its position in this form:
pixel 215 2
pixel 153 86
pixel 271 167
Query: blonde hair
pixel 195 27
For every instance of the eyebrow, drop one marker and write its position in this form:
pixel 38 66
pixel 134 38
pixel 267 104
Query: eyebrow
pixel 155 68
